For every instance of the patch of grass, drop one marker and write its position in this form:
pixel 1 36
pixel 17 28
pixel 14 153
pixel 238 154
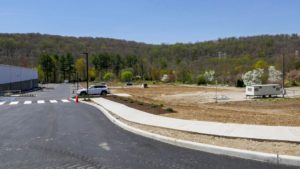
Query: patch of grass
pixel 169 109
pixel 278 100
pixel 154 105
pixel 87 99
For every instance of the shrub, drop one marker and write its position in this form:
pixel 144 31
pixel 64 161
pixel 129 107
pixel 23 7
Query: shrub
pixel 108 76
pixel 169 109
pixel 153 105
pixel 240 83
pixel 201 80
pixel 253 77
pixel 209 76
pixel 126 76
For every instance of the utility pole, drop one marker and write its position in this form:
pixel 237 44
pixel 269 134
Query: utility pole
pixel 77 80
pixel 283 75
pixel 87 71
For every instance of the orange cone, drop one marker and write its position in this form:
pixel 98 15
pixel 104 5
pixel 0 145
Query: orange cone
pixel 76 98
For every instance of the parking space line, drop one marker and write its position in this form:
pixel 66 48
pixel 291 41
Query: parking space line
pixel 41 101
pixel 1 103
pixel 53 101
pixel 14 103
pixel 28 102
pixel 65 101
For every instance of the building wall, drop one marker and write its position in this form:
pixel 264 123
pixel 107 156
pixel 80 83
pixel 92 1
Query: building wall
pixel 17 78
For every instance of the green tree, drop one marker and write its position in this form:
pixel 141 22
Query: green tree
pixel 131 61
pixel 80 68
pixel 260 64
pixel 69 65
pixel 126 76
pixel 92 74
pixel 55 61
pixel 117 64
pixel 102 62
pixel 108 76
pixel 201 80
pixel 47 65
pixel 62 66
pixel 184 73
pixel 41 74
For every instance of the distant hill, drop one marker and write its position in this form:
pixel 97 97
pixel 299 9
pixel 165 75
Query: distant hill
pixel 230 55
pixel 14 47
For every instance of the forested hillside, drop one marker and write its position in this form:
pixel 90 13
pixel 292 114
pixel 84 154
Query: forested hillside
pixel 229 58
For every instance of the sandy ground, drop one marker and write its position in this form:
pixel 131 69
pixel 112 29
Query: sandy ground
pixel 198 103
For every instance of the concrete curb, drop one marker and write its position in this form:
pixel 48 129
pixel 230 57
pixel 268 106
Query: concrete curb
pixel 245 154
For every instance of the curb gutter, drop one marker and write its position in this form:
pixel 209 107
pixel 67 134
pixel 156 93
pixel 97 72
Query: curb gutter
pixel 233 152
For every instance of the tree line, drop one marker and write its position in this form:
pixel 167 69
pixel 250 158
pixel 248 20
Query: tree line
pixel 229 58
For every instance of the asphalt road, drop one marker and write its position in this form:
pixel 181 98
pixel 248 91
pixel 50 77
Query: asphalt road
pixel 65 135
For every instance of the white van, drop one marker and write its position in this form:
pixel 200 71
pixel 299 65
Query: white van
pixel 263 90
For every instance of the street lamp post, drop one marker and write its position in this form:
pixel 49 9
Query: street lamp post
pixel 87 71
pixel 283 75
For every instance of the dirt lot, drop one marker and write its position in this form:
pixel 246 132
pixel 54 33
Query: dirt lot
pixel 198 103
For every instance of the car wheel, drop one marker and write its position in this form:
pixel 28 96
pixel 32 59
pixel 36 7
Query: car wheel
pixel 83 93
pixel 104 93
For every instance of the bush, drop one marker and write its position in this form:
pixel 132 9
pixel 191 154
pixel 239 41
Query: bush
pixel 169 109
pixel 126 76
pixel 108 76
pixel 240 83
pixel 201 80
pixel 153 105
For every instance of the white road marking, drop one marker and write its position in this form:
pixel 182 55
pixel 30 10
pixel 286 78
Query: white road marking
pixel 28 102
pixel 41 101
pixel 14 103
pixel 53 101
pixel 104 146
pixel 1 103
pixel 65 101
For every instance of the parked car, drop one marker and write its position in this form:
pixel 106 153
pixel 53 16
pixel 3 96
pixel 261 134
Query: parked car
pixel 129 83
pixel 94 90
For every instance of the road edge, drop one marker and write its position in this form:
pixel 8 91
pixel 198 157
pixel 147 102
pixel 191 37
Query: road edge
pixel 233 152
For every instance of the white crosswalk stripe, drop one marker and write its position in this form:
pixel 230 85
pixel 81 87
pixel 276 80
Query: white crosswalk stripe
pixel 28 102
pixel 65 100
pixel 53 101
pixel 41 101
pixel 13 103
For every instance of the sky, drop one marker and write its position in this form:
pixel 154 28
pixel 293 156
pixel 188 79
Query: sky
pixel 151 21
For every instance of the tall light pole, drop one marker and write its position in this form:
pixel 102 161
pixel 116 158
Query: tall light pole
pixel 87 71
pixel 283 75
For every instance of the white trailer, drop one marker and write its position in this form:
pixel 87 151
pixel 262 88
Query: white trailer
pixel 263 90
